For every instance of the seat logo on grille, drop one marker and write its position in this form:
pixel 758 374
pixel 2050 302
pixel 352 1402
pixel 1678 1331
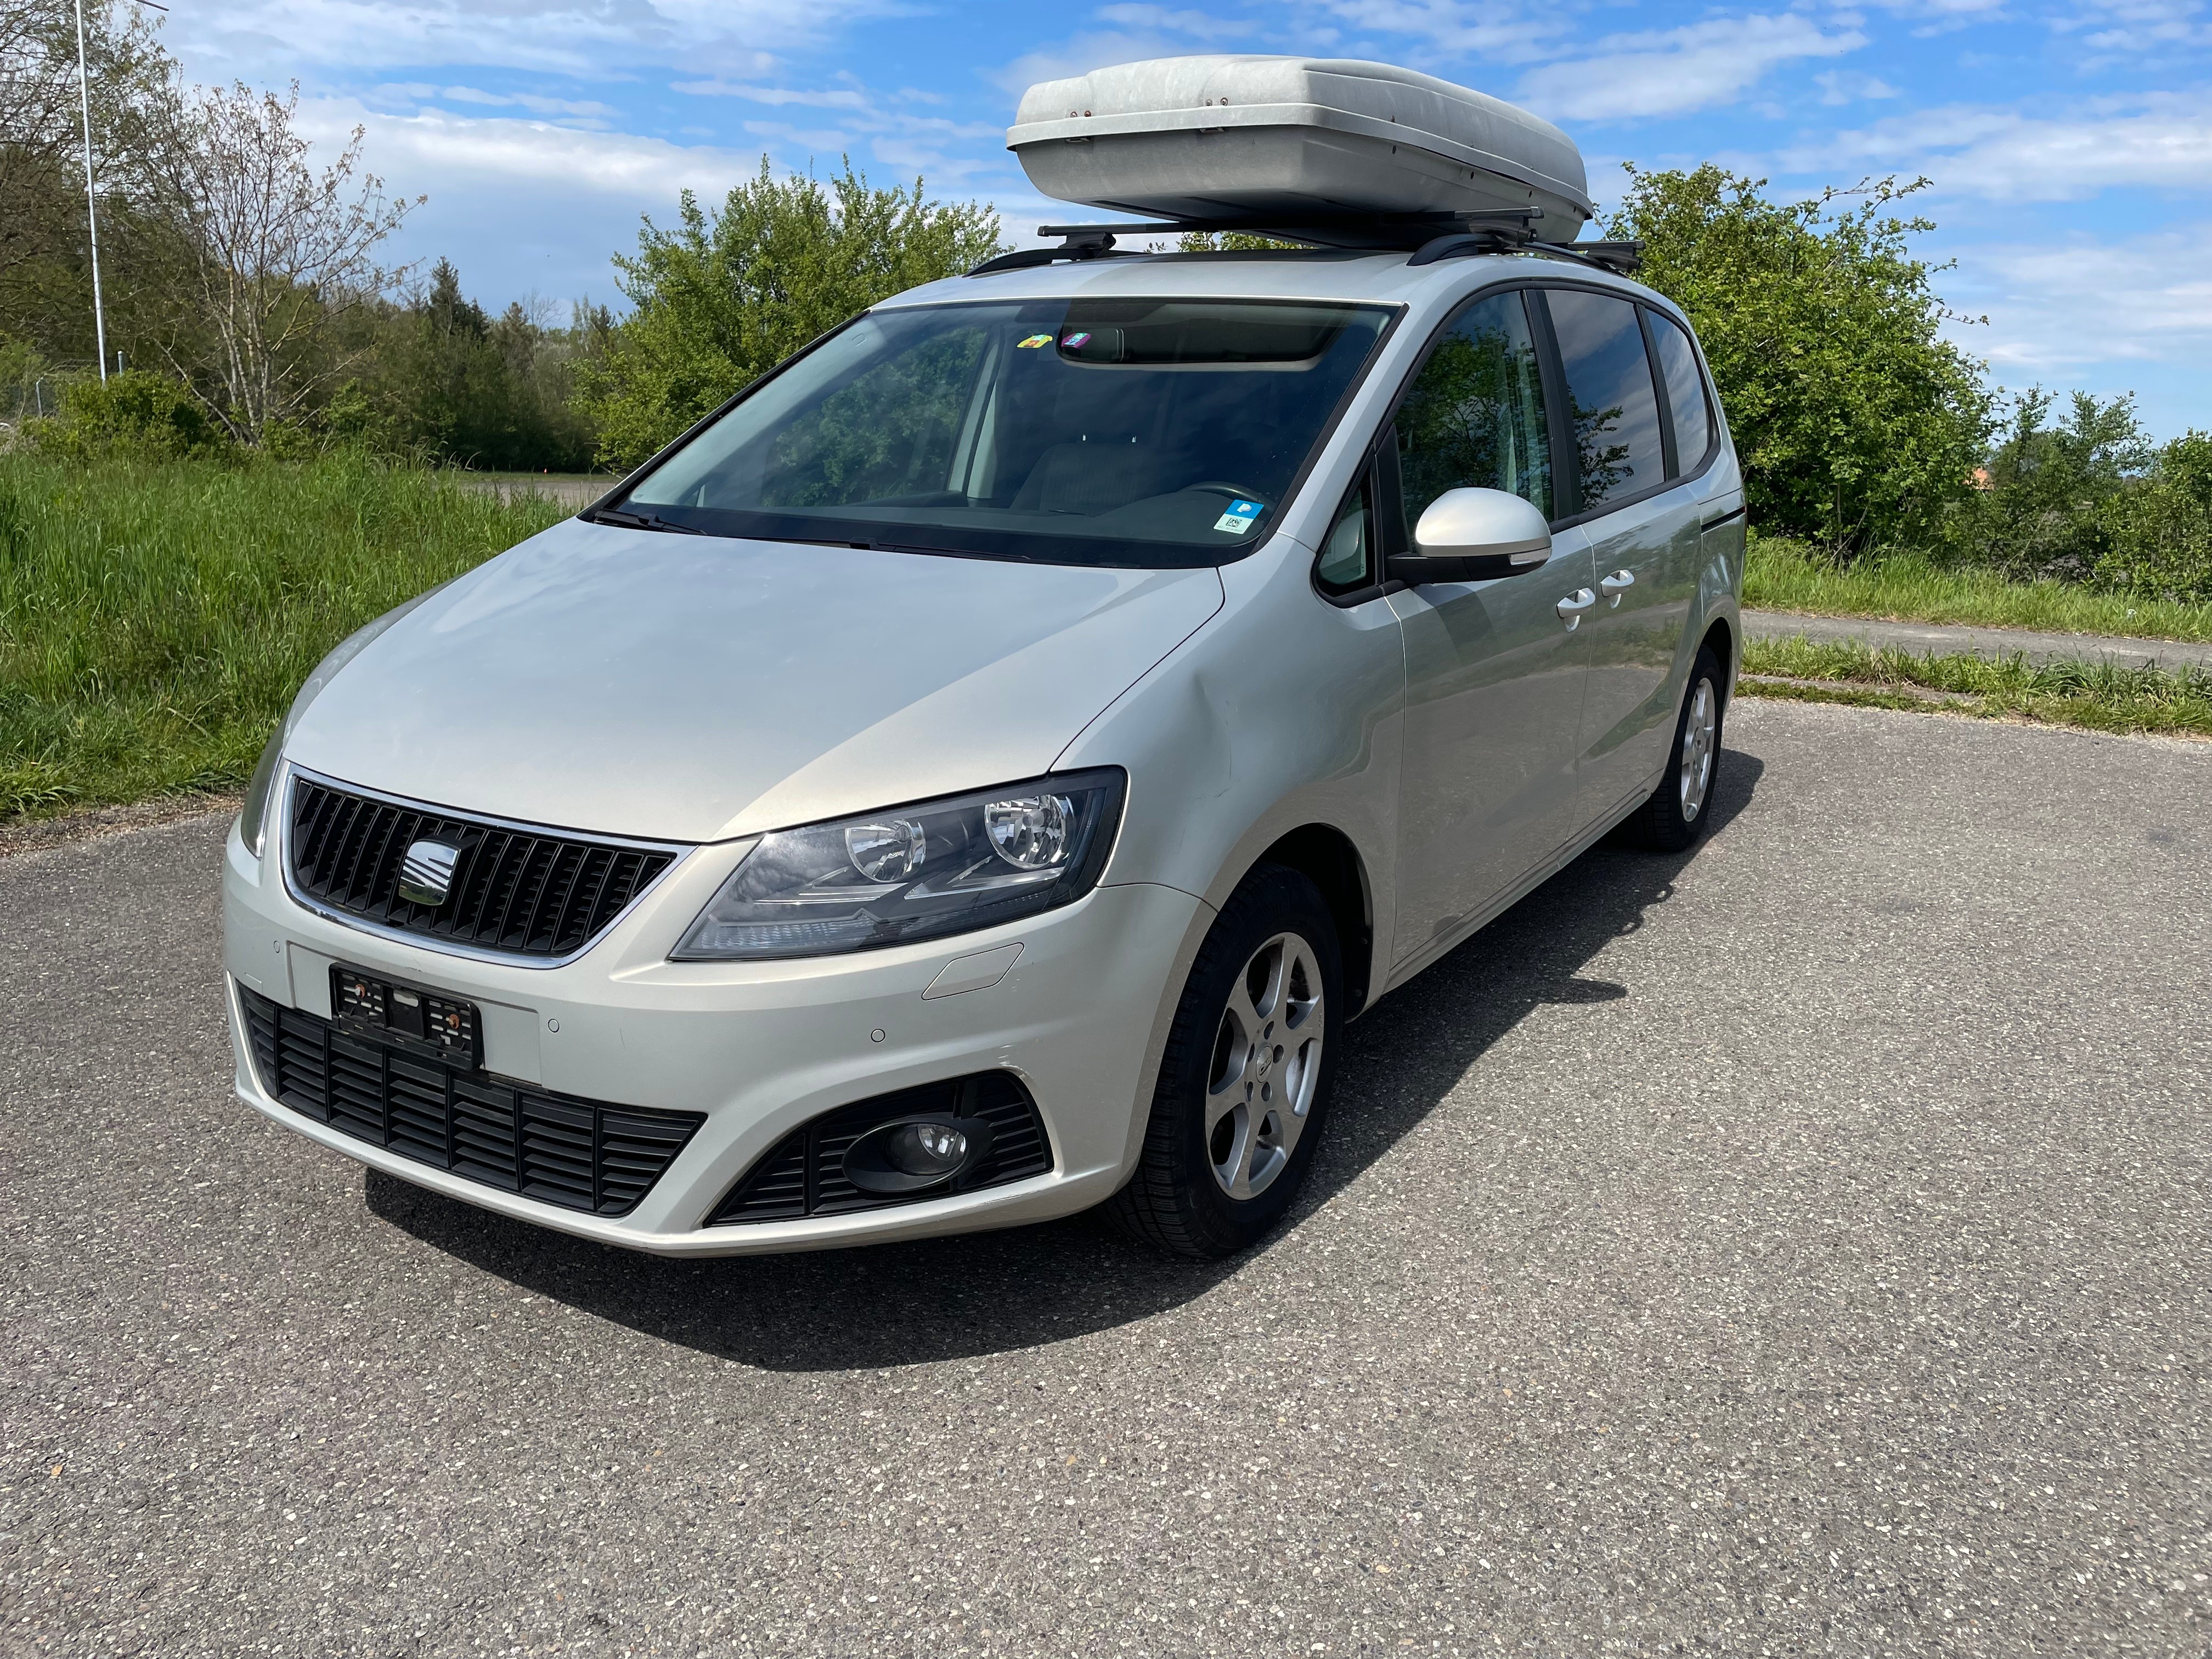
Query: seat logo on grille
pixel 426 874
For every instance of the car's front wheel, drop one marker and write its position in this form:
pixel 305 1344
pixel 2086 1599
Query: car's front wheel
pixel 1243 1083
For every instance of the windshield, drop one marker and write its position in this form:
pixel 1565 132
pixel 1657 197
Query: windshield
pixel 1147 433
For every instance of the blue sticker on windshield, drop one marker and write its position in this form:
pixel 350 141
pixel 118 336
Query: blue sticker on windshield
pixel 1245 509
pixel 1235 523
pixel 1075 340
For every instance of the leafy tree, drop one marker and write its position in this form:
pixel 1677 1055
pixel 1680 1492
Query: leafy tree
pixel 727 295
pixel 278 254
pixel 46 276
pixel 456 384
pixel 1856 421
pixel 2041 507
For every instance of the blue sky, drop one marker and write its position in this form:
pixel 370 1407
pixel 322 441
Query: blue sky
pixel 2069 141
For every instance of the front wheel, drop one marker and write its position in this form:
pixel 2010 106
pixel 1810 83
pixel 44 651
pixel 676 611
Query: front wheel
pixel 1243 1083
pixel 1679 807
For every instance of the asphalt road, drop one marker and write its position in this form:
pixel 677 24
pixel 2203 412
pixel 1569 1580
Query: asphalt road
pixel 1804 1247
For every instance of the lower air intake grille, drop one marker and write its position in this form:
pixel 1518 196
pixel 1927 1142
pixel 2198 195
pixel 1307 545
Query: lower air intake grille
pixel 804 1174
pixel 578 1154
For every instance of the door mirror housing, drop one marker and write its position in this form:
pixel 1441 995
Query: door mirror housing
pixel 1474 535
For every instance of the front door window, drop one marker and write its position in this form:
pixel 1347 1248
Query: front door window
pixel 1475 415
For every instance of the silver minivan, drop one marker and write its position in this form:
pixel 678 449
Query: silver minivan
pixel 975 774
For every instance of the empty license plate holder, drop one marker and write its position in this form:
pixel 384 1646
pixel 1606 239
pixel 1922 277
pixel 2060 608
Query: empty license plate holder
pixel 415 1017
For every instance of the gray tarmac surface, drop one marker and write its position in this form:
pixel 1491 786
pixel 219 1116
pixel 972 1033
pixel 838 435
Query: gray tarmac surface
pixel 1802 1247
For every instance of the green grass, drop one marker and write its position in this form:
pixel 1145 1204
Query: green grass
pixel 2097 697
pixel 155 619
pixel 1784 575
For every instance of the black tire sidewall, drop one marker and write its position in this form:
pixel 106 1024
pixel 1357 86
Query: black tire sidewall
pixel 1272 900
pixel 1664 825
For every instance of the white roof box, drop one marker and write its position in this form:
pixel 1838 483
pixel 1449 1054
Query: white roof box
pixel 1286 140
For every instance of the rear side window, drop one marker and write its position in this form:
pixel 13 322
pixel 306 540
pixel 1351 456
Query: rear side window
pixel 1686 391
pixel 1475 415
pixel 1618 452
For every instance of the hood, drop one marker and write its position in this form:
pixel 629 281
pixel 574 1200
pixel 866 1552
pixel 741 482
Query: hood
pixel 695 688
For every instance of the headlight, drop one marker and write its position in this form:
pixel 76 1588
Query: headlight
pixel 912 872
pixel 252 818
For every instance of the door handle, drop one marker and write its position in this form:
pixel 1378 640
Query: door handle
pixel 1618 584
pixel 1571 609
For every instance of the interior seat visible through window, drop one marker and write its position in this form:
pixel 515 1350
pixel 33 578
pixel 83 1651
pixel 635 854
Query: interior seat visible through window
pixel 1093 477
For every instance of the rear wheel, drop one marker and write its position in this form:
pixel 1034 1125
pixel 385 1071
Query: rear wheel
pixel 1679 808
pixel 1243 1083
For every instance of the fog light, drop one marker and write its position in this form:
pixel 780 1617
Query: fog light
pixel 926 1149
pixel 910 1154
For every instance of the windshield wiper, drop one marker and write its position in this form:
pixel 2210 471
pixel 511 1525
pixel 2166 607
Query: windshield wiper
pixel 624 520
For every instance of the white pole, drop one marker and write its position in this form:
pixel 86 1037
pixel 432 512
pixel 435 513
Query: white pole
pixel 91 209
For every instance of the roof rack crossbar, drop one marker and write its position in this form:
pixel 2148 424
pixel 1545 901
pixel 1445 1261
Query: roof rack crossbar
pixel 1427 238
pixel 1080 242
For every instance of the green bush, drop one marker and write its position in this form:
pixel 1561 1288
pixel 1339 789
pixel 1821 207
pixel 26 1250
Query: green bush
pixel 135 414
pixel 2159 530
pixel 1857 422
pixel 2089 500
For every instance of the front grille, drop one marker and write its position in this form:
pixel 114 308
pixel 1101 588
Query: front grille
pixel 580 1154
pixel 529 893
pixel 804 1174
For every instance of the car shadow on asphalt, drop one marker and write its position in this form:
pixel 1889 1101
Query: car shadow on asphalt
pixel 984 1293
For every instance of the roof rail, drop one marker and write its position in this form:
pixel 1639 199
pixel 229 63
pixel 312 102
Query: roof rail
pixel 1427 237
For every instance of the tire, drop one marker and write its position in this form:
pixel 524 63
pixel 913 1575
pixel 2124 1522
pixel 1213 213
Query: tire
pixel 1206 1185
pixel 1680 807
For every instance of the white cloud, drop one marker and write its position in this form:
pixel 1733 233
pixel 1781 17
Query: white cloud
pixel 435 149
pixel 2159 141
pixel 1674 71
pixel 584 109
pixel 1197 24
pixel 2129 28
pixel 2151 298
pixel 601 39
pixel 1848 87
pixel 1488 30
pixel 1078 55
pixel 809 98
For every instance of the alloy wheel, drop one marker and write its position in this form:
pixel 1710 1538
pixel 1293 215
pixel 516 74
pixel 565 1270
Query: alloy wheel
pixel 1267 1062
pixel 1698 732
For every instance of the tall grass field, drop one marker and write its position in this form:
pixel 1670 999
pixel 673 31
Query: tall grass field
pixel 1908 586
pixel 156 618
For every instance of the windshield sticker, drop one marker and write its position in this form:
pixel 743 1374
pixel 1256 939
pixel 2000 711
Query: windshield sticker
pixel 1075 340
pixel 1245 509
pixel 1033 342
pixel 1235 523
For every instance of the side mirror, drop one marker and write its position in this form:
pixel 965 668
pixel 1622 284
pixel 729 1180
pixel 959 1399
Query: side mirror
pixel 1474 535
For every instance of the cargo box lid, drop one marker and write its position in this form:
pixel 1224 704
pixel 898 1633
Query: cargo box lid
pixel 1226 137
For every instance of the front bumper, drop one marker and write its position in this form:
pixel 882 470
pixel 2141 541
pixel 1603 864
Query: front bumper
pixel 763 1048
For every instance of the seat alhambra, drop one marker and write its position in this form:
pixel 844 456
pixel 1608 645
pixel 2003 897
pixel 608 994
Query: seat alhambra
pixel 975 775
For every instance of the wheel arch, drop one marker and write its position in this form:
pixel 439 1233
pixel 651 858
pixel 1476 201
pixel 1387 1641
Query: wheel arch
pixel 1721 636
pixel 1326 857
